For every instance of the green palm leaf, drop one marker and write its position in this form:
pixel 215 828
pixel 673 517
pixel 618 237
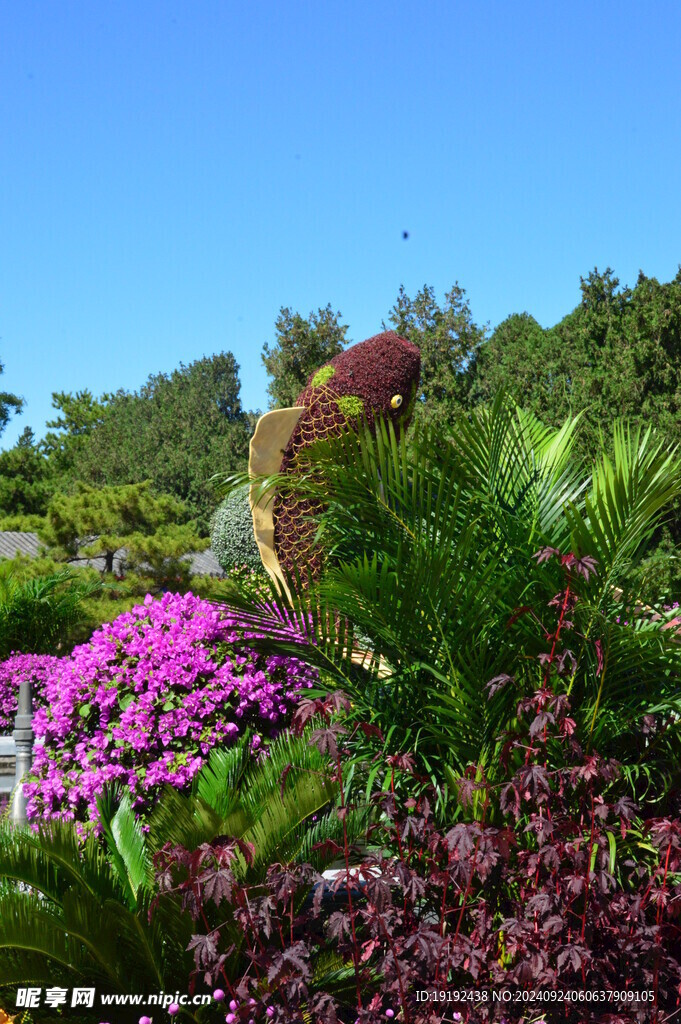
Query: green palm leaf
pixel 77 913
pixel 429 547
pixel 126 843
pixel 38 615
pixel 236 796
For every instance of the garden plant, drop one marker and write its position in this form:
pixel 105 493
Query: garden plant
pixel 92 912
pixel 39 615
pixel 478 709
pixel 146 700
pixel 570 891
pixel 430 577
pixel 231 535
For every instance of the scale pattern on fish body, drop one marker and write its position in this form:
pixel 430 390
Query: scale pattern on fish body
pixel 379 375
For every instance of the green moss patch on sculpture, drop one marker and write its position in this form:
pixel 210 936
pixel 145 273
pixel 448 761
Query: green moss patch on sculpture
pixel 323 376
pixel 350 406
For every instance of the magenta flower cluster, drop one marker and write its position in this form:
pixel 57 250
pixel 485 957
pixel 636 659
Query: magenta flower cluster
pixel 147 698
pixel 19 667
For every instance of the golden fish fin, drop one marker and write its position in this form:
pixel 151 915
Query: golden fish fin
pixel 270 438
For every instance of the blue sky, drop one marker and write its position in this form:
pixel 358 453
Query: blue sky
pixel 172 173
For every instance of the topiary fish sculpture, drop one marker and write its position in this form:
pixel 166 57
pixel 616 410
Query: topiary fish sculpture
pixel 377 376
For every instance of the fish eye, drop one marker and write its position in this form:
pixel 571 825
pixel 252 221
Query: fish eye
pixel 396 401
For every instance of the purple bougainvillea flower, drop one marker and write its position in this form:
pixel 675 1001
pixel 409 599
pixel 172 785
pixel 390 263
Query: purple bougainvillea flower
pixel 19 667
pixel 145 701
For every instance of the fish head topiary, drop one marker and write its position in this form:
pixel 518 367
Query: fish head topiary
pixel 379 375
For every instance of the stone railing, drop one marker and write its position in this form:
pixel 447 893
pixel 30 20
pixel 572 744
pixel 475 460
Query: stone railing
pixel 8 765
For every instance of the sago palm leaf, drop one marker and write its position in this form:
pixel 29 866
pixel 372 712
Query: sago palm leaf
pixel 79 938
pixel 33 944
pixel 72 912
pixel 429 565
pixel 220 779
pixel 125 843
pixel 52 860
pixel 267 803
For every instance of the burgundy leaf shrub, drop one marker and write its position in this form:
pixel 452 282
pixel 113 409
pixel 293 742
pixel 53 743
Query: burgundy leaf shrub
pixel 147 698
pixel 550 881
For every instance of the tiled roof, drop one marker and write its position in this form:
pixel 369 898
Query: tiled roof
pixel 203 563
pixel 13 544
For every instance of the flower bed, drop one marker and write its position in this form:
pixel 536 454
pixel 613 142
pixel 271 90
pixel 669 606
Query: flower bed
pixel 147 698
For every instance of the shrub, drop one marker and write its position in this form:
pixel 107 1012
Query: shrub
pixel 79 914
pixel 569 893
pixel 147 699
pixel 231 534
pixel 428 544
pixel 41 614
pixel 549 878
pixel 658 576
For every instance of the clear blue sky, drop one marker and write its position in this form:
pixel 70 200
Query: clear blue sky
pixel 172 173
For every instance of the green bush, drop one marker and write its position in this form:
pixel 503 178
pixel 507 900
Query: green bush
pixel 231 534
pixel 43 614
pixel 658 576
pixel 438 559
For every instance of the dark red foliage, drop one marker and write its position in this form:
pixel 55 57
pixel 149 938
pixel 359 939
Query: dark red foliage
pixel 553 886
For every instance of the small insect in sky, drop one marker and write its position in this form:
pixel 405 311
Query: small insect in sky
pixel 405 234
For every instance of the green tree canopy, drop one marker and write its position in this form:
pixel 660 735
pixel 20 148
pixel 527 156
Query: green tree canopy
pixel 301 347
pixel 100 520
pixel 617 354
pixel 25 478
pixel 79 414
pixel 9 404
pixel 177 431
pixel 448 339
pixel 31 472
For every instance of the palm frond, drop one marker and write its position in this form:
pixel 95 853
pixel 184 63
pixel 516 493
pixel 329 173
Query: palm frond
pixel 52 859
pixel 627 500
pixel 125 842
pixel 38 614
pixel 429 576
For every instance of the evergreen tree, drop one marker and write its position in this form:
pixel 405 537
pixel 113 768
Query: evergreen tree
pixel 26 480
pixel 99 521
pixel 177 431
pixel 301 347
pixel 79 414
pixel 9 404
pixel 617 354
pixel 448 339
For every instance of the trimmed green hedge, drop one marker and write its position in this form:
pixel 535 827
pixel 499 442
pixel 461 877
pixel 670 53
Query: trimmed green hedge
pixel 231 534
